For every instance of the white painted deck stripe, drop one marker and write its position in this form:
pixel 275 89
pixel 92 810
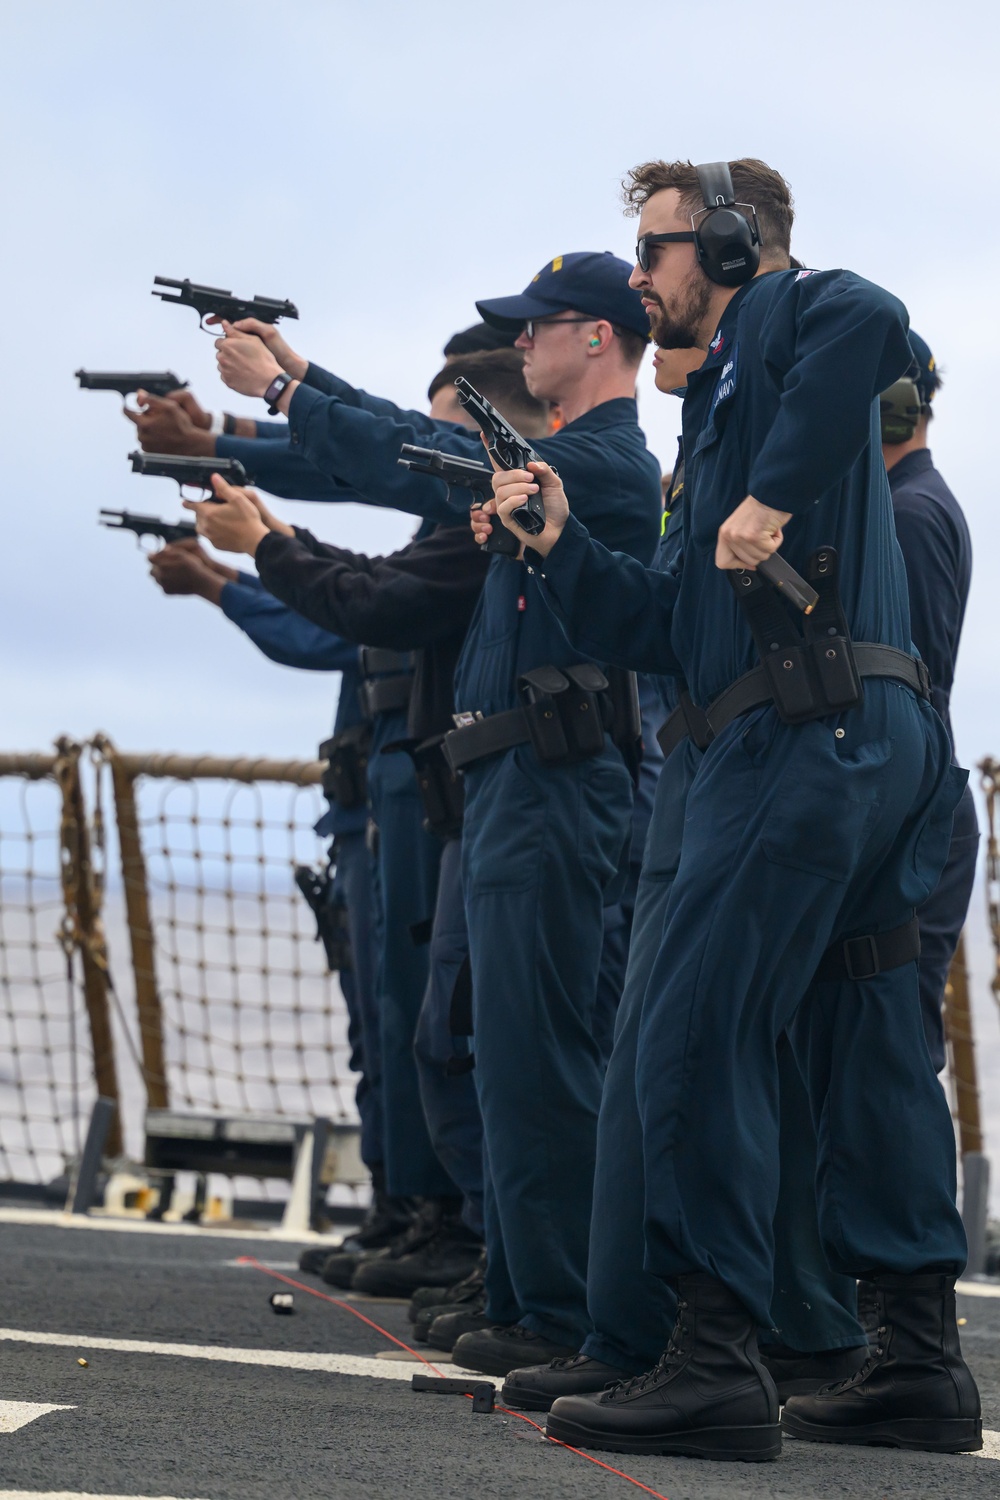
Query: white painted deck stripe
pixel 73 1495
pixel 54 1219
pixel 17 1414
pixel 978 1288
pixel 279 1359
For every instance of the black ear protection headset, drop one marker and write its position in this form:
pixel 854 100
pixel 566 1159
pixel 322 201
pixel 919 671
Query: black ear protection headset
pixel 726 242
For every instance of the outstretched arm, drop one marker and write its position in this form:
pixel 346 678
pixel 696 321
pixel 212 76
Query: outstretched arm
pixel 609 605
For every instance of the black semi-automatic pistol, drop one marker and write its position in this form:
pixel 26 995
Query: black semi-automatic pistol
pixel 467 474
pixel 219 302
pixel 507 447
pixel 196 472
pixel 140 526
pixel 126 382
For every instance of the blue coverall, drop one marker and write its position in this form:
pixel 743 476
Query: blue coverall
pixel 544 847
pixel 290 640
pixel 793 837
pixel 937 551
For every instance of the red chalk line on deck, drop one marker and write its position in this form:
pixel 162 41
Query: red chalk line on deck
pixel 250 1260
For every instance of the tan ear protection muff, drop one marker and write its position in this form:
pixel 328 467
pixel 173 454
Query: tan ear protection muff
pixel 899 408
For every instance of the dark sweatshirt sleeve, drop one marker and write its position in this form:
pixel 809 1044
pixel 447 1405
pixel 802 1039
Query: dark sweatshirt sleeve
pixel 282 635
pixel 414 597
pixel 833 344
pixel 610 606
pixel 283 470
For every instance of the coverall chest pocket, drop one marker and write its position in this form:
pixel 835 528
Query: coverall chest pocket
pixel 824 805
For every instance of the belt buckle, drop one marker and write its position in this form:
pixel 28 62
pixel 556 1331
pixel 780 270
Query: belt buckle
pixel 869 951
pixel 466 720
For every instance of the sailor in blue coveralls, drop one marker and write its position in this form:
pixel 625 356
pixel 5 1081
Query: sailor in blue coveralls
pixel 810 836
pixel 937 550
pixel 290 640
pixel 541 840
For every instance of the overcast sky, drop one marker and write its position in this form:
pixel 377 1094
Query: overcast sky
pixel 383 165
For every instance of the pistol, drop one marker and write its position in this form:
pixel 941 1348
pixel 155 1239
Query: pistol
pixel 507 447
pixel 190 471
pixel 220 302
pixel 126 382
pixel 462 473
pixel 127 520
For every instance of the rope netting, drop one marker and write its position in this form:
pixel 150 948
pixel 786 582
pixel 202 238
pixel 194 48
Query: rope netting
pixel 47 1084
pixel 252 1021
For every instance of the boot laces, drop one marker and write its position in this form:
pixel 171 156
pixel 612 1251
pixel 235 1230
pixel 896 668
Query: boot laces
pixel 673 1355
pixel 875 1358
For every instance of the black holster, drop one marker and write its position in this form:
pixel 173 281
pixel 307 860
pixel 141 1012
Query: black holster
pixel 812 674
pixel 332 926
pixel 345 779
pixel 441 790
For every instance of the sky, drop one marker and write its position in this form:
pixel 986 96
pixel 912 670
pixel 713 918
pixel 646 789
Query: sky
pixel 383 165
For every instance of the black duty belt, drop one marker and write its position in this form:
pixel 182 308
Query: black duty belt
pixel 485 737
pixel 566 718
pixel 753 690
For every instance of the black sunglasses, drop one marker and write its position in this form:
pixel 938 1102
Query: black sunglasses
pixel 532 323
pixel 642 245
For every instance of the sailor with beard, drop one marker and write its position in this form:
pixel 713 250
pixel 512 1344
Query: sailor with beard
pixel 812 829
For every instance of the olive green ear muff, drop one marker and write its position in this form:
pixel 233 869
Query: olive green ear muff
pixel 899 408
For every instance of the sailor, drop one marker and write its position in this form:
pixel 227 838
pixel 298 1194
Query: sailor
pixel 417 601
pixel 937 551
pixel 543 838
pixel 817 819
pixel 287 638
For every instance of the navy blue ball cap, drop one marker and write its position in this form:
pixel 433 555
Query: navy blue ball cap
pixel 927 377
pixel 588 281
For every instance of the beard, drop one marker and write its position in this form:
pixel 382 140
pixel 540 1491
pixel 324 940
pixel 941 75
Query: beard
pixel 680 326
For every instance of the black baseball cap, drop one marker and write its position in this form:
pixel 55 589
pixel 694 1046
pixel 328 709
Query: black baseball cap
pixel 587 281
pixel 479 336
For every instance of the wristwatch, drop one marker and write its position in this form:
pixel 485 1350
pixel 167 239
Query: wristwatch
pixel 273 393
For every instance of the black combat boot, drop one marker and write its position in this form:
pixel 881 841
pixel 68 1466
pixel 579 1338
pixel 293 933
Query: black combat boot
pixel 447 1329
pixel 497 1350
pixel 463 1291
pixel 536 1387
pixel 340 1265
pixel 798 1374
pixel 914 1390
pixel 386 1219
pixel 709 1396
pixel 447 1255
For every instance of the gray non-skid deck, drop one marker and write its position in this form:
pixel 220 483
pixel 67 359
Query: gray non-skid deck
pixel 160 1424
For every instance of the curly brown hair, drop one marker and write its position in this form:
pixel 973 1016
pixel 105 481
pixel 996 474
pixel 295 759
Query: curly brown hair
pixel 753 182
